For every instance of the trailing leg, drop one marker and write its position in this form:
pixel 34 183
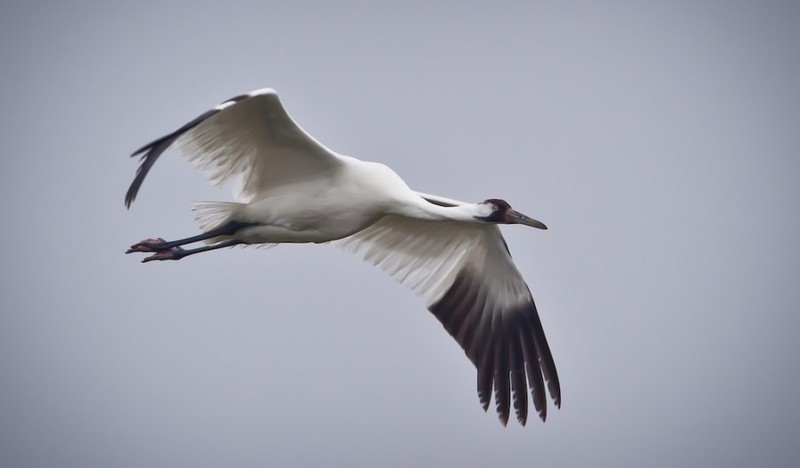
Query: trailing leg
pixel 160 245
pixel 177 252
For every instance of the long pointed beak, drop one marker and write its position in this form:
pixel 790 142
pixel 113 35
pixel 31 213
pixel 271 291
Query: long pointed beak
pixel 515 217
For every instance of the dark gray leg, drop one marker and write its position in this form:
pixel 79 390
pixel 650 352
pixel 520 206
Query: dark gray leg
pixel 177 252
pixel 160 245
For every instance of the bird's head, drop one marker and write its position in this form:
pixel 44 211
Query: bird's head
pixel 500 212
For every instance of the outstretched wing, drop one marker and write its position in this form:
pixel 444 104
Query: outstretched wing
pixel 470 283
pixel 251 136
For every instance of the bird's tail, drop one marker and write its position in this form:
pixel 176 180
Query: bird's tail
pixel 211 215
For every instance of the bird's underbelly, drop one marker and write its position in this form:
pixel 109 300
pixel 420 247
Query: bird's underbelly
pixel 308 227
pixel 315 212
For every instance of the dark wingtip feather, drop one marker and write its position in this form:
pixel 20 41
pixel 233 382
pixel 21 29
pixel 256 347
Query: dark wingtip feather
pixel 502 387
pixel 555 389
pixel 504 419
pixel 519 386
pixel 129 198
pixel 505 346
pixel 519 394
pixel 147 147
pixel 546 362
pixel 485 372
pixel 151 151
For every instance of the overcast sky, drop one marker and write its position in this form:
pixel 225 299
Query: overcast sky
pixel 659 142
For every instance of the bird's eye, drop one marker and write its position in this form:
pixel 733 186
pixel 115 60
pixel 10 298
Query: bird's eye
pixel 495 207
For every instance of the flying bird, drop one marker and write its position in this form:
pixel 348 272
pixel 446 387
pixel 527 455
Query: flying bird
pixel 294 189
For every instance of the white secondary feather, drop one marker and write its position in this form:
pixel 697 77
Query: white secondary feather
pixel 426 257
pixel 257 140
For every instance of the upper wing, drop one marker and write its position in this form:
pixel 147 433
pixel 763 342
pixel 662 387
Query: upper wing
pixel 469 282
pixel 251 135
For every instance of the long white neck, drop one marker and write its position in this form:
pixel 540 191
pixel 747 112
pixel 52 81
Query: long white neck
pixel 466 213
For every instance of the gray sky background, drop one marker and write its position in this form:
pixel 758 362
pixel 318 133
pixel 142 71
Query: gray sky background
pixel 658 141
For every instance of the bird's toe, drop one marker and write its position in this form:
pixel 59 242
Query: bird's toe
pixel 147 246
pixel 174 253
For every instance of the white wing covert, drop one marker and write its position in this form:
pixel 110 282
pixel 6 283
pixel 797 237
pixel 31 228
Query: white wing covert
pixel 469 282
pixel 251 136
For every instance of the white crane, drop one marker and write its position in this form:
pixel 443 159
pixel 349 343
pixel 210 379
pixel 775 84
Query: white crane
pixel 294 189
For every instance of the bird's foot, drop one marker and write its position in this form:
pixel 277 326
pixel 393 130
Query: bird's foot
pixel 147 246
pixel 156 247
pixel 173 253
